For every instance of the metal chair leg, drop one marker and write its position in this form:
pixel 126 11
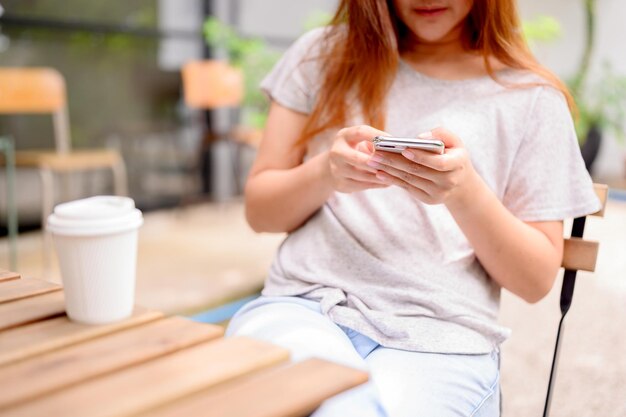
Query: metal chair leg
pixel 120 180
pixel 47 184
pixel 567 293
pixel 6 145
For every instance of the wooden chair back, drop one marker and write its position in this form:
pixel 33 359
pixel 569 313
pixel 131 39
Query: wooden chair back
pixel 31 90
pixel 210 84
pixel 37 91
pixel 578 255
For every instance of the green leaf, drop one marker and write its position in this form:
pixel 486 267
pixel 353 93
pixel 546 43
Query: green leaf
pixel 254 58
pixel 541 29
pixel 317 19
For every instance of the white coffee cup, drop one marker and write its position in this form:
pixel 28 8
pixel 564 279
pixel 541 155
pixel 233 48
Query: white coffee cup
pixel 96 243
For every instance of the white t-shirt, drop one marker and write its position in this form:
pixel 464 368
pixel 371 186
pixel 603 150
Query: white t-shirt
pixel 400 271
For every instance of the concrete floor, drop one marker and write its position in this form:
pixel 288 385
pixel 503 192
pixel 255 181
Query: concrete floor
pixel 203 255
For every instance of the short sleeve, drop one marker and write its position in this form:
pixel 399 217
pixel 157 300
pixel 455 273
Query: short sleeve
pixel 548 179
pixel 293 82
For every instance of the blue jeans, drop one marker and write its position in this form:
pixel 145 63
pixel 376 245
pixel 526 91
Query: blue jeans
pixel 402 383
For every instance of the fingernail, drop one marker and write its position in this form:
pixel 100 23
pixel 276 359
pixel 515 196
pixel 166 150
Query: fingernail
pixel 373 164
pixel 382 177
pixel 408 155
pixel 377 158
pixel 425 135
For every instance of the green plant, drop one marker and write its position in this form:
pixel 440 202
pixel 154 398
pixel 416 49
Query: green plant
pixel 600 104
pixel 254 58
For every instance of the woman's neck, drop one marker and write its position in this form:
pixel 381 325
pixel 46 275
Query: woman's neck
pixel 446 59
pixel 447 49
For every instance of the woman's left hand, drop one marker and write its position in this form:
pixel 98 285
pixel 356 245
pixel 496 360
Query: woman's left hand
pixel 429 177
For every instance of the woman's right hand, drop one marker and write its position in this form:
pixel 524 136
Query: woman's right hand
pixel 347 168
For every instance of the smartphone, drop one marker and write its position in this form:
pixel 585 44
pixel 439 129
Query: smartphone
pixel 397 145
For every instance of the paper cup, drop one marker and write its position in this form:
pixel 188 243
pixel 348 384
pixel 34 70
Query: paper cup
pixel 96 243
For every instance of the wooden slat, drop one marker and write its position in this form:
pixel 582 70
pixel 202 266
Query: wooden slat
pixel 31 309
pixel 25 287
pixel 294 390
pixel 42 374
pixel 25 341
pixel 579 254
pixel 74 161
pixel 602 191
pixel 8 275
pixel 156 382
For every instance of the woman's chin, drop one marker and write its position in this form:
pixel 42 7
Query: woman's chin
pixel 433 38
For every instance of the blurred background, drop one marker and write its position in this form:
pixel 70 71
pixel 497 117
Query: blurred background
pixel 122 64
pixel 142 81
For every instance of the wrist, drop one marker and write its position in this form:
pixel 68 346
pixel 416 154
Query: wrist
pixel 321 172
pixel 471 195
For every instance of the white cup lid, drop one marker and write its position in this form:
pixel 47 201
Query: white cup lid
pixel 98 215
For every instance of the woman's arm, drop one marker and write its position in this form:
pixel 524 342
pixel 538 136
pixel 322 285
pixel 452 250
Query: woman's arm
pixel 282 191
pixel 522 257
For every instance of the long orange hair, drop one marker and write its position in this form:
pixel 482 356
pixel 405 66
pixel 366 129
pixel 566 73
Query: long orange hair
pixel 363 48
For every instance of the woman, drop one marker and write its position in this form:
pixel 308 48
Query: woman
pixel 394 262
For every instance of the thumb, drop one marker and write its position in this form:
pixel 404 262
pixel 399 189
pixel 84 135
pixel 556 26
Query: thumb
pixel 365 147
pixel 449 139
pixel 355 134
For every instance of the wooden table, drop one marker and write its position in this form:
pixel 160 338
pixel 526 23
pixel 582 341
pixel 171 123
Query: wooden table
pixel 148 365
